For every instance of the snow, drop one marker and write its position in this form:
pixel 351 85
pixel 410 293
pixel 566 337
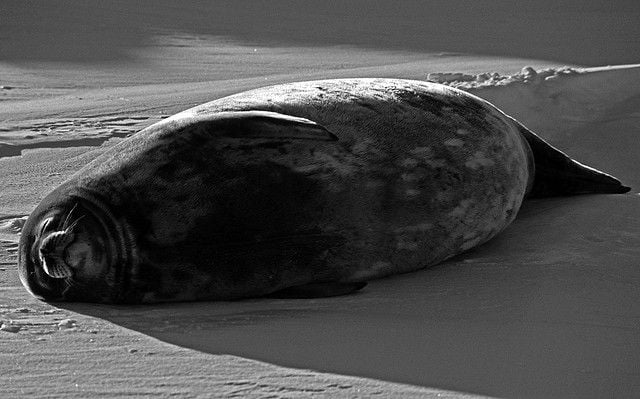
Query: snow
pixel 549 308
pixel 555 100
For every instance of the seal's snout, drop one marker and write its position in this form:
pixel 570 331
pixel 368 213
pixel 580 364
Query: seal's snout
pixel 54 244
pixel 52 250
pixel 70 249
pixel 45 244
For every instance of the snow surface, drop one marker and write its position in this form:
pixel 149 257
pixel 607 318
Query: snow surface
pixel 549 308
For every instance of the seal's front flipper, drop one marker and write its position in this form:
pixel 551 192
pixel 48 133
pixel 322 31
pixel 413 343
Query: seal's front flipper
pixel 556 174
pixel 272 125
pixel 318 290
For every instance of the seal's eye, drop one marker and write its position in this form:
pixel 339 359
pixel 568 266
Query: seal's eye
pixel 44 226
pixel 37 239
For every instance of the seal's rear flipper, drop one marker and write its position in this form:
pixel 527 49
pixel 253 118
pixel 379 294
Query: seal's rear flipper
pixel 556 174
pixel 318 290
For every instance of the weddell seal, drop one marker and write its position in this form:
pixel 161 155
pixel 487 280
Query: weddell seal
pixel 296 190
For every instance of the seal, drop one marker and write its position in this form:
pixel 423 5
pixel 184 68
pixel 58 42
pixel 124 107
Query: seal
pixel 299 190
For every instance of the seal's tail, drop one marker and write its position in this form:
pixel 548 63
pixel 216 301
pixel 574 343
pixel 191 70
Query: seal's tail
pixel 558 175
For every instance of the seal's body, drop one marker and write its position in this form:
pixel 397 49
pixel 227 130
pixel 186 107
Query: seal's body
pixel 304 189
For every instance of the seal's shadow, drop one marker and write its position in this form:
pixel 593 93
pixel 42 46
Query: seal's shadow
pixel 500 320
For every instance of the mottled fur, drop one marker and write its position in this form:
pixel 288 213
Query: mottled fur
pixel 320 185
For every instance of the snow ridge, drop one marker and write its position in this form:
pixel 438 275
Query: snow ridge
pixel 552 101
pixel 526 75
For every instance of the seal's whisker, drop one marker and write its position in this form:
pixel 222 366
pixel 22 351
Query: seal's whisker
pixel 73 283
pixel 73 225
pixel 66 219
pixel 70 284
pixel 56 267
pixel 61 270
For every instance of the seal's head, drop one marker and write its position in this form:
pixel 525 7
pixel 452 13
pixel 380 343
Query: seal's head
pixel 70 251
